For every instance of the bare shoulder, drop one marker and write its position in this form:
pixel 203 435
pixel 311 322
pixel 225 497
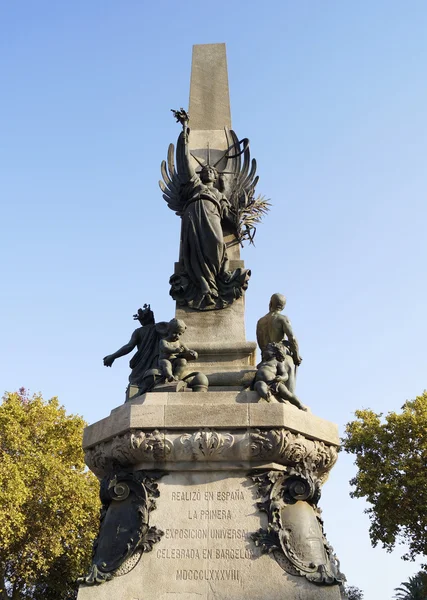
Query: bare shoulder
pixel 279 318
pixel 261 330
pixel 261 321
pixel 137 334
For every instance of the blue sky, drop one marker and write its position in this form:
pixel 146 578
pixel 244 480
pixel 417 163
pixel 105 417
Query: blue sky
pixel 333 97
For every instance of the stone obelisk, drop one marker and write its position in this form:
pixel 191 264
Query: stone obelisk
pixel 212 496
pixel 209 93
pixel 218 336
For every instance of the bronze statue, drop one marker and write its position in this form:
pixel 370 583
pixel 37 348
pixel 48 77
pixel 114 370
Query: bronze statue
pixel 173 355
pixel 275 327
pixel 160 357
pixel 207 201
pixel 271 376
pixel 146 339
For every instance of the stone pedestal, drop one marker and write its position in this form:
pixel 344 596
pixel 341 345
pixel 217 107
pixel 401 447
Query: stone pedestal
pixel 224 470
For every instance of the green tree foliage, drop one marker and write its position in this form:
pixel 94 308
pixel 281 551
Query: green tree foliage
pixel 49 502
pixel 414 589
pixel 352 592
pixel 391 457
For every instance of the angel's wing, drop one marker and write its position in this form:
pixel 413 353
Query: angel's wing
pixel 239 182
pixel 241 178
pixel 175 180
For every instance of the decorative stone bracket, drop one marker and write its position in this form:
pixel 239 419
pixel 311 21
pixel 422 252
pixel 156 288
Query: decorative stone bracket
pixel 124 533
pixel 295 534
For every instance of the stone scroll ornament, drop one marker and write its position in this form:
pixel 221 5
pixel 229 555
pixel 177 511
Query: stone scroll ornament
pixel 124 534
pixel 217 197
pixel 295 533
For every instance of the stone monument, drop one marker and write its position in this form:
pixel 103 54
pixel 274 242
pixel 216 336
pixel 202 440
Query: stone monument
pixel 211 471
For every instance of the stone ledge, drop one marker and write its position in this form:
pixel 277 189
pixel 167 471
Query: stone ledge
pixel 223 355
pixel 201 414
pixel 226 375
pixel 224 348
pixel 200 399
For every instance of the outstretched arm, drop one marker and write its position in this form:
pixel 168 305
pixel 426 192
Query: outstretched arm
pixel 126 349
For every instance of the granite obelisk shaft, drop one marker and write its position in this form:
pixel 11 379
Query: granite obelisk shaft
pixel 209 93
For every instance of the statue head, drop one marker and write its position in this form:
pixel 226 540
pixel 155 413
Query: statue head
pixel 277 302
pixel 275 350
pixel 176 328
pixel 145 317
pixel 208 174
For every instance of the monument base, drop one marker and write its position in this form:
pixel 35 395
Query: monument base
pixel 206 551
pixel 209 496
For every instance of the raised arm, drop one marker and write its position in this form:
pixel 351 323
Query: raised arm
pixel 187 155
pixel 182 117
pixel 126 349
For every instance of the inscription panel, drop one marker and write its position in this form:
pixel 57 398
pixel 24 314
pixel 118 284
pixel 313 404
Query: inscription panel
pixel 208 540
pixel 206 552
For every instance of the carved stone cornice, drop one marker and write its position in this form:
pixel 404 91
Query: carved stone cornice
pixel 255 446
pixel 284 447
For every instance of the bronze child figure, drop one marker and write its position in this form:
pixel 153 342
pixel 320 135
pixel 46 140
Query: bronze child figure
pixel 271 376
pixel 173 355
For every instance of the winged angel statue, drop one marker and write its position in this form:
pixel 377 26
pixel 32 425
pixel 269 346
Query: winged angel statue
pixel 208 201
